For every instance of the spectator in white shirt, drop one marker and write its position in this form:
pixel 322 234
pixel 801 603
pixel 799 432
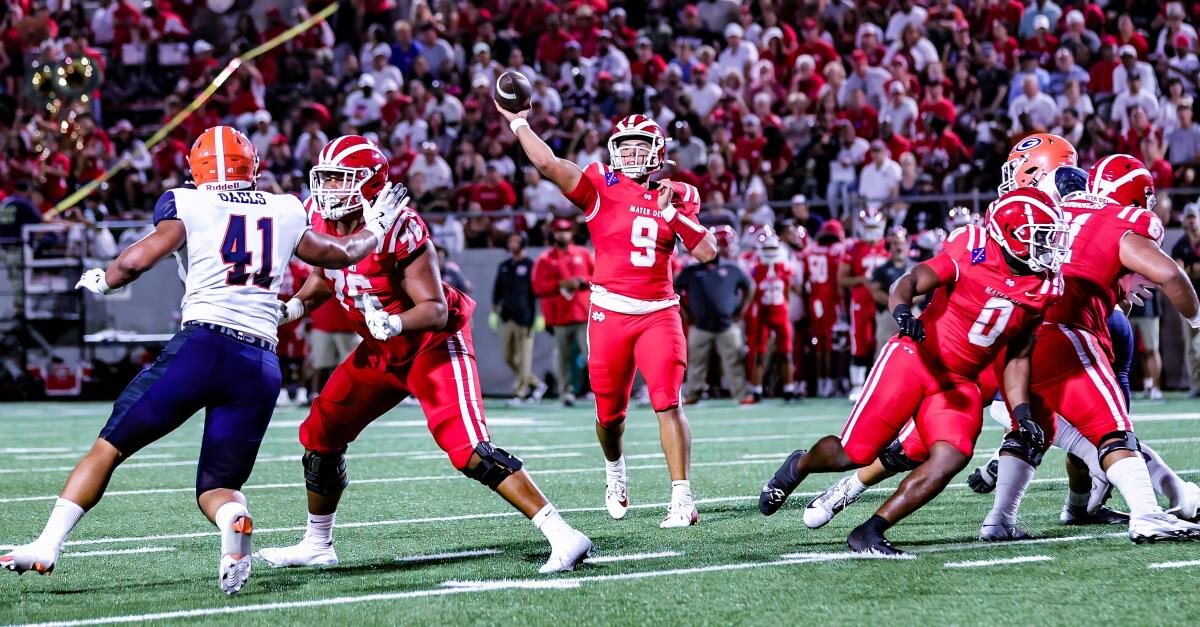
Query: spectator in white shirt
pixel 1183 64
pixel 381 68
pixel 547 95
pixel 412 129
pixel 1070 128
pixel 363 106
pixel 1042 110
pixel 591 151
pixel 1074 98
pixel 264 131
pixel 1175 29
pixel 1168 109
pixel 542 196
pixel 610 59
pixel 483 64
pixel 901 110
pixel 1135 95
pixel 704 94
pixel 843 171
pixel 312 135
pixel 449 106
pixel 516 63
pixel 437 172
pixel 879 180
pixel 687 150
pixel 910 13
pixel 912 41
pixel 1130 66
pixel 738 54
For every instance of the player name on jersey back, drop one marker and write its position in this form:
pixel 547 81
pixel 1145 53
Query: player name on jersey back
pixel 238 246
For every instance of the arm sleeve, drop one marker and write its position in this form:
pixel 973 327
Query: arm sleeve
pixel 164 209
pixel 684 221
pixel 586 194
pixel 945 267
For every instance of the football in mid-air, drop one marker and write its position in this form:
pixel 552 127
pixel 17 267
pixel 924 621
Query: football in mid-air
pixel 513 91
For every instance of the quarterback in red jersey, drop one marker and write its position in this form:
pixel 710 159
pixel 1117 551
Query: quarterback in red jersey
pixel 635 324
pixel 824 297
pixel 416 340
pixel 1072 371
pixel 773 275
pixel 859 261
pixel 927 371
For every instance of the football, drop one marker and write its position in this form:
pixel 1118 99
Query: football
pixel 513 91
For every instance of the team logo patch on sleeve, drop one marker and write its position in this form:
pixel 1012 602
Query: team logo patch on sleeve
pixel 978 255
pixel 610 178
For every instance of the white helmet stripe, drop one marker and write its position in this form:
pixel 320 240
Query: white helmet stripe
pixel 1129 176
pixel 219 146
pixel 337 159
pixel 331 149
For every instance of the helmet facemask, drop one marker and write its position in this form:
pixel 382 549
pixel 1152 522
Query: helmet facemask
pixel 337 190
pixel 635 154
pixel 1046 245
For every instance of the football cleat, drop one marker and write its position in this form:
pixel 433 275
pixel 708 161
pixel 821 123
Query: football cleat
pixel 1002 532
pixel 30 557
pixel 306 553
pixel 1161 527
pixel 866 541
pixel 828 504
pixel 1187 507
pixel 855 393
pixel 568 554
pixel 536 395
pixel 776 491
pixel 752 398
pixel 983 480
pixel 1102 516
pixel 680 516
pixel 235 570
pixel 568 400
pixel 616 498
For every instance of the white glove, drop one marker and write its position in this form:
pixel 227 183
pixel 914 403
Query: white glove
pixel 1194 321
pixel 290 311
pixel 381 324
pixel 1137 288
pixel 381 214
pixel 94 282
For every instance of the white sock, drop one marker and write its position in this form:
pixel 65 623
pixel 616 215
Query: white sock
pixel 790 388
pixel 855 484
pixel 1132 478
pixel 551 523
pixel 1148 383
pixel 320 529
pixel 1013 477
pixel 1069 439
pixel 63 518
pixel 756 389
pixel 226 515
pixel 1165 481
pixel 615 471
pixel 858 375
pixel 681 493
pixel 1078 500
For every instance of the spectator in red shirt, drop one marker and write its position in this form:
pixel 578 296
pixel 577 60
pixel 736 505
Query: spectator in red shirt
pixel 586 32
pixel 1140 130
pixel 940 151
pixel 861 115
pixel 1043 43
pixel 805 80
pixel 897 144
pixel 55 170
pixel 750 145
pixel 935 103
pixel 623 36
pixel 494 193
pixel 1160 168
pixel 811 43
pixel 1101 72
pixel 715 179
pixel 1002 11
pixel 648 66
pixel 1127 34
pixel 202 61
pixel 1005 44
pixel 552 46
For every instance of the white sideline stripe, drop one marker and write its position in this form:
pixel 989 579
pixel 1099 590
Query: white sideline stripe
pixel 607 559
pixel 1175 564
pixel 409 559
pixel 144 549
pixel 33 450
pixel 1011 560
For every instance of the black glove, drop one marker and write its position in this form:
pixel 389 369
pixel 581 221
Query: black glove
pixel 909 326
pixel 1029 427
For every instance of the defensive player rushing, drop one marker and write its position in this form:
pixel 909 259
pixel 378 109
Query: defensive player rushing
pixel 233 244
pixel 773 275
pixel 859 261
pixel 416 340
pixel 927 371
pixel 634 223
pixel 1072 373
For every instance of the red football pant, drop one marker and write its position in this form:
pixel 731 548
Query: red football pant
pixel 619 344
pixel 862 328
pixel 442 375
pixel 822 315
pixel 1073 377
pixel 945 407
pixel 917 450
pixel 769 320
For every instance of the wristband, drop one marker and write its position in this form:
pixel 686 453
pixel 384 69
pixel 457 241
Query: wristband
pixel 395 324
pixel 293 310
pixel 518 123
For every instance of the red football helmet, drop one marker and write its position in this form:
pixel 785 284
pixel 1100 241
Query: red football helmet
pixel 637 161
pixel 1030 227
pixel 1124 180
pixel 831 231
pixel 350 172
pixel 871 225
pixel 1032 163
pixel 959 217
pixel 725 238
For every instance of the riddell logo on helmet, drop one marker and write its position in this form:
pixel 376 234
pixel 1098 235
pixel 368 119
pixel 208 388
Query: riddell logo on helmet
pixel 221 187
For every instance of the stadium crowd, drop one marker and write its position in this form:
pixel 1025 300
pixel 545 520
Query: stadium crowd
pixel 784 114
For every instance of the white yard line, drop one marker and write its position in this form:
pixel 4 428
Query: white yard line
pixel 1000 562
pixel 410 559
pixel 144 549
pixel 634 557
pixel 1175 564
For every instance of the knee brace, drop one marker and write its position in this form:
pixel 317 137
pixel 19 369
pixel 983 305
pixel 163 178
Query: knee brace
pixel 325 473
pixel 1015 443
pixel 1127 442
pixel 495 465
pixel 894 458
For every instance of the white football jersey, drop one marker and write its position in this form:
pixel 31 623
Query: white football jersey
pixel 237 251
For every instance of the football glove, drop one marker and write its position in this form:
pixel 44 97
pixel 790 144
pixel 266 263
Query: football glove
pixel 382 214
pixel 93 281
pixel 380 323
pixel 290 311
pixel 909 326
pixel 1029 427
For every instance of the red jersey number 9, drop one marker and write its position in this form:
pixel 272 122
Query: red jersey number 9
pixel 644 238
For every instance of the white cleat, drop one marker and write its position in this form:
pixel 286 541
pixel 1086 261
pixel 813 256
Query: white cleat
pixel 568 554
pixel 234 573
pixel 828 504
pixel 1161 527
pixel 616 498
pixel 30 557
pixel 305 553
pixel 1188 505
pixel 855 393
pixel 680 516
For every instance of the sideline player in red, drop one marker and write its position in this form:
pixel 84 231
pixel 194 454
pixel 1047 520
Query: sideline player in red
pixel 824 297
pixel 773 275
pixel 1073 375
pixel 634 223
pixel 416 340
pixel 859 261
pixel 928 370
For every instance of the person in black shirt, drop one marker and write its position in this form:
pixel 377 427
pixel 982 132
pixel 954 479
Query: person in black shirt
pixel 513 303
pixel 715 294
pixel 885 276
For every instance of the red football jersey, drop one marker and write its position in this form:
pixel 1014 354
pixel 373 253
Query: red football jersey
pixel 820 270
pixel 380 275
pixel 1093 267
pixel 772 278
pixel 863 258
pixel 633 243
pixel 987 307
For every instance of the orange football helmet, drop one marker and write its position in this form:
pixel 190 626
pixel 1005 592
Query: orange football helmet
pixel 1032 163
pixel 222 158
